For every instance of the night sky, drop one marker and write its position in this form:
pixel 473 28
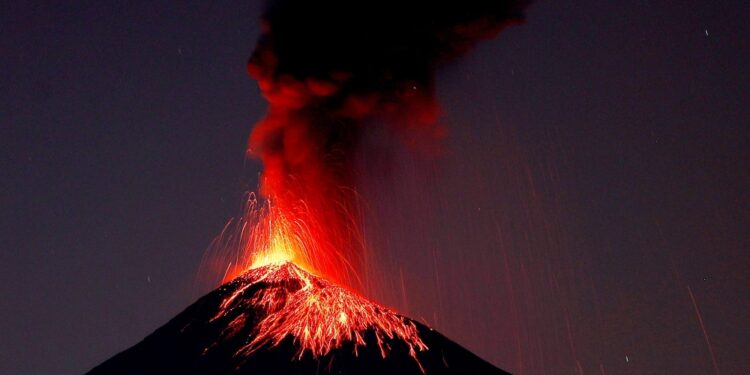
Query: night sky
pixel 590 211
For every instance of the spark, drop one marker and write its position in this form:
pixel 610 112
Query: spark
pixel 703 329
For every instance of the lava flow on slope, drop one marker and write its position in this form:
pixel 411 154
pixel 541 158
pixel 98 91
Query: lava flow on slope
pixel 319 315
pixel 281 319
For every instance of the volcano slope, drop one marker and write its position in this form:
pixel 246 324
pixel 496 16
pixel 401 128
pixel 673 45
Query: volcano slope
pixel 280 319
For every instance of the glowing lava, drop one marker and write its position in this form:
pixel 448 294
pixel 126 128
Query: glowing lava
pixel 283 243
pixel 317 314
pixel 287 285
pixel 284 285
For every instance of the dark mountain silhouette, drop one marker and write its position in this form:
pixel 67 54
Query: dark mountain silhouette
pixel 279 319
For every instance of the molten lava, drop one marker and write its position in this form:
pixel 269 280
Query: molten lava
pixel 318 315
pixel 280 270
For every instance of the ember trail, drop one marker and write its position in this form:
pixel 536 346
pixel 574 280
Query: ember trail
pixel 318 314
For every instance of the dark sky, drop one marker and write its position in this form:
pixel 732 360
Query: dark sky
pixel 596 174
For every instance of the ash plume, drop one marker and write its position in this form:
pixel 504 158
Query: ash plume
pixel 330 69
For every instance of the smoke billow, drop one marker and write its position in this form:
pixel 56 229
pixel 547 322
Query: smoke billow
pixel 330 69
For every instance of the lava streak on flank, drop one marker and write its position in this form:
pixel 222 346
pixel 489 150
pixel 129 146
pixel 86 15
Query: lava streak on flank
pixel 280 319
pixel 318 315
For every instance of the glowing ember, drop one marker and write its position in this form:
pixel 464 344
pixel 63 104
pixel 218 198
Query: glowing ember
pixel 318 315
pixel 283 243
pixel 280 272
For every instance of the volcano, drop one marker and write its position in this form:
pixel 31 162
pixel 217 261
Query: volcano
pixel 281 319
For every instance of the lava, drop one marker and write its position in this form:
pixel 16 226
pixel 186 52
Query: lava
pixel 298 295
pixel 318 315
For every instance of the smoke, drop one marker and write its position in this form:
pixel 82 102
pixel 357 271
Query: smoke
pixel 330 69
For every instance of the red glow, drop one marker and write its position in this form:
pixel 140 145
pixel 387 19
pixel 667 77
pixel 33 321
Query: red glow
pixel 268 235
pixel 306 143
pixel 300 295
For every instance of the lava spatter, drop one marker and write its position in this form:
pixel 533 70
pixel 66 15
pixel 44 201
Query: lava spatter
pixel 317 314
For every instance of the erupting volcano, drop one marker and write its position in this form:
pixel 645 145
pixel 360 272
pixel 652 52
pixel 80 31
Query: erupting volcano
pixel 289 304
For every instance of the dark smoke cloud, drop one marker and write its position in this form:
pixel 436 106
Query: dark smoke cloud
pixel 329 67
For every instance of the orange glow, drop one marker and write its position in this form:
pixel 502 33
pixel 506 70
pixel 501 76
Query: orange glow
pixel 301 297
pixel 317 314
pixel 268 234
pixel 304 295
pixel 282 246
